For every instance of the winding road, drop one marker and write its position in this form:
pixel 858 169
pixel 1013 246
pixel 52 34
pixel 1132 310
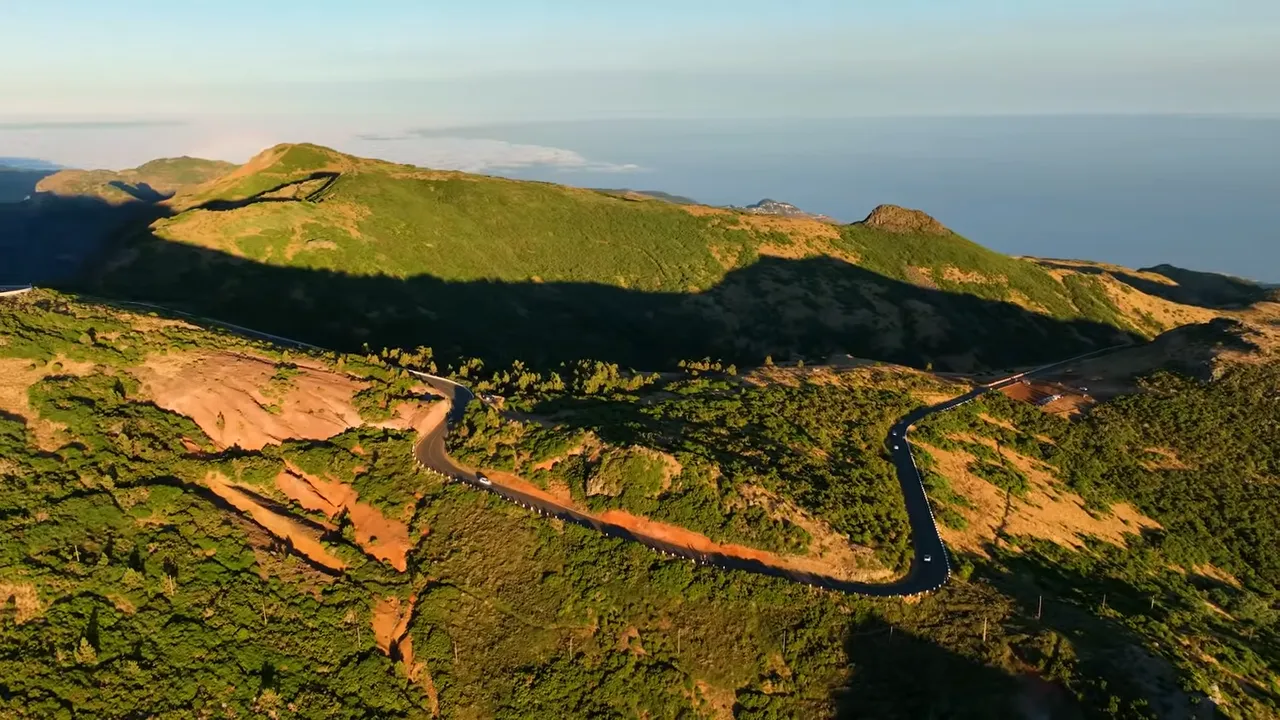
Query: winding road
pixel 930 567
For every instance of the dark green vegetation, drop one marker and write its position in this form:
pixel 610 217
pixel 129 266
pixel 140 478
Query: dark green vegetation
pixel 1200 457
pixel 342 252
pixel 818 446
pixel 126 586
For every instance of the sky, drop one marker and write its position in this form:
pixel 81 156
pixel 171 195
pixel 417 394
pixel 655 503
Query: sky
pixel 545 89
pixel 486 61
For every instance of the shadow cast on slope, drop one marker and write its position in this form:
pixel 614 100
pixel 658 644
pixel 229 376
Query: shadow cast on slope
pixel 50 239
pixel 783 308
pixel 1191 287
pixel 53 239
pixel 18 183
pixel 776 307
pixel 142 192
pixel 1099 611
pixel 897 675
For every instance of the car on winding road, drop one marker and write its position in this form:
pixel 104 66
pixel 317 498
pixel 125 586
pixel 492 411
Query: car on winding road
pixel 483 479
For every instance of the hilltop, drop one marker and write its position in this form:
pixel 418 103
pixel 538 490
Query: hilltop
pixel 150 182
pixel 55 222
pixel 348 251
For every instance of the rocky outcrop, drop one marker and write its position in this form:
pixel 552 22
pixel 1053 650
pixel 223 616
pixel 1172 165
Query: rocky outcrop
pixel 904 220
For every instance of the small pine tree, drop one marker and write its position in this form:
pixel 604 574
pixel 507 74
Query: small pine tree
pixel 85 654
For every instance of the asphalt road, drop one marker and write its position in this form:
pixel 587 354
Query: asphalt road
pixel 930 566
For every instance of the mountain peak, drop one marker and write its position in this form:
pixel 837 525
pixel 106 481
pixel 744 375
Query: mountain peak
pixel 894 218
pixel 769 206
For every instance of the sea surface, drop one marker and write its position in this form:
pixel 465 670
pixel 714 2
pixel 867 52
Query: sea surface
pixel 1197 192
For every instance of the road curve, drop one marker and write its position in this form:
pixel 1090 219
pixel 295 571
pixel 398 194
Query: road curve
pixel 930 565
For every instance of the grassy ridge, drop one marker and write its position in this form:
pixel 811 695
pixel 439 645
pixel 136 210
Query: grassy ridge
pixel 349 251
pixel 148 182
pixel 462 227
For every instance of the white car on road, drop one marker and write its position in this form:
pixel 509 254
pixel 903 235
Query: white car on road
pixel 483 479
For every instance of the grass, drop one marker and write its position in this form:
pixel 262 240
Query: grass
pixel 461 227
pixel 396 257
pixel 166 176
pixel 892 254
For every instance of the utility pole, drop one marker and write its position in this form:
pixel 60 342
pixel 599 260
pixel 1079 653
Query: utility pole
pixel 984 631
pixel 1039 606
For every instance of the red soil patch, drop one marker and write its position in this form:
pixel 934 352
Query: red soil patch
pixel 383 538
pixel 300 538
pixel 391 629
pixel 390 622
pixel 17 375
pixel 1051 397
pixel 690 540
pixel 236 401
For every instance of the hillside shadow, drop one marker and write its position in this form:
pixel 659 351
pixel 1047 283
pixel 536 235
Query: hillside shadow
pixel 1098 612
pixel 1190 287
pixel 268 195
pixel 896 675
pixel 50 239
pixel 776 307
pixel 142 192
pixel 16 184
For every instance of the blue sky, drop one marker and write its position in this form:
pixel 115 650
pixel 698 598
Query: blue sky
pixel 499 60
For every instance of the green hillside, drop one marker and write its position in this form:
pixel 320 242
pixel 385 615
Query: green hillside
pixel 348 251
pixel 153 558
pixel 149 182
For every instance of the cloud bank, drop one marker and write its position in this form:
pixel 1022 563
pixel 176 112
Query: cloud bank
pixel 480 155
pixel 121 144
pixel 128 144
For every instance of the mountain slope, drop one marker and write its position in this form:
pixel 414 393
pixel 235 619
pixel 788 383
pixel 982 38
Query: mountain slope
pixel 351 251
pixel 150 182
